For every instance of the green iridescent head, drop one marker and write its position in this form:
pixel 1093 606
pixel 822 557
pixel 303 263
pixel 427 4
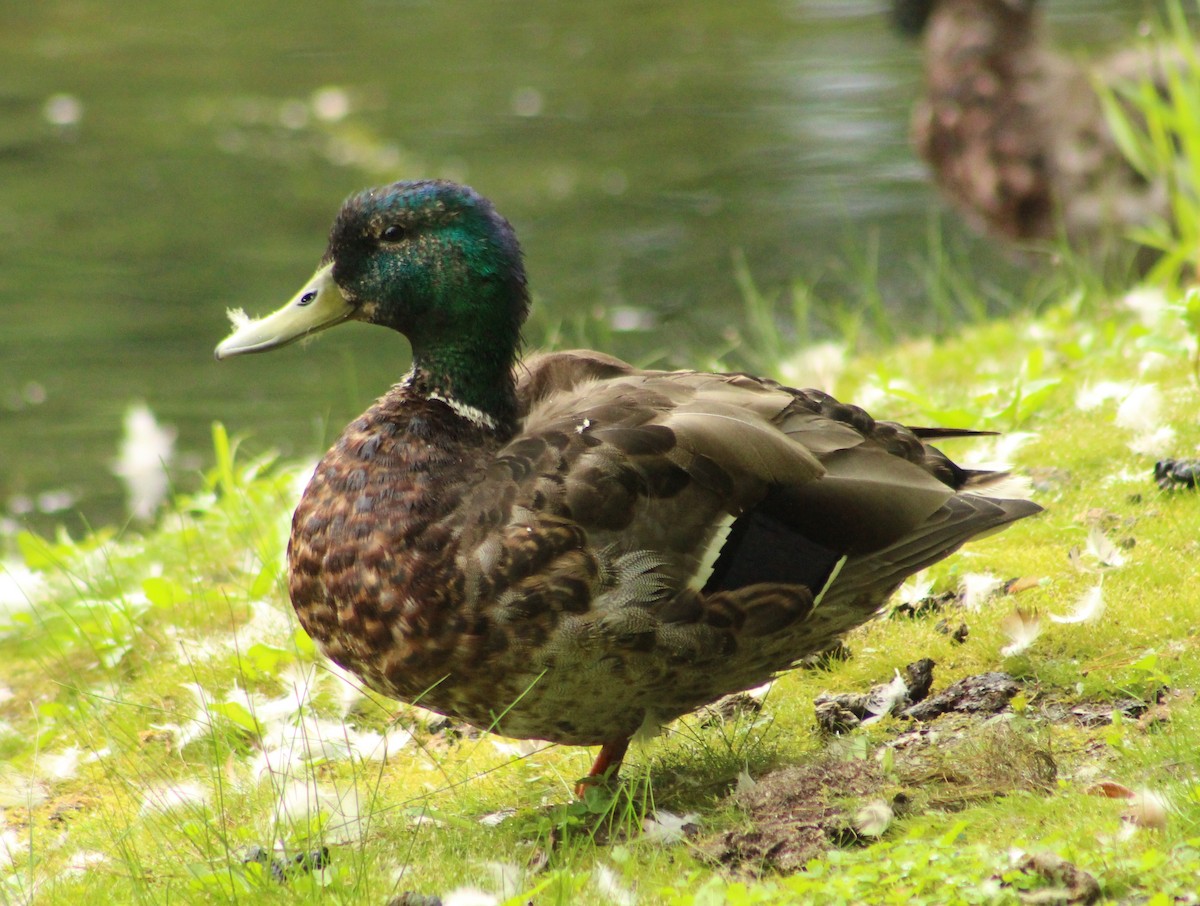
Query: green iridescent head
pixel 431 259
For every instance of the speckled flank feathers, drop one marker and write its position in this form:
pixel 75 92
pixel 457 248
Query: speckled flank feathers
pixel 589 548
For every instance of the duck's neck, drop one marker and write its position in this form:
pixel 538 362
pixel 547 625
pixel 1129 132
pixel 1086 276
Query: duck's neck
pixel 474 378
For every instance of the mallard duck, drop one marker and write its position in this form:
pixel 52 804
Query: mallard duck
pixel 569 548
pixel 1014 133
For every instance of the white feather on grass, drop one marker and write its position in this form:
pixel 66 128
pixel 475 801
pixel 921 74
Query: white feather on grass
pixel 303 805
pixel 1141 409
pixel 169 797
pixel 1022 628
pixel 1088 609
pixel 1100 547
pixel 667 827
pixel 608 885
pixel 147 449
pixel 1090 396
pixel 977 588
pixel 883 699
pixel 469 896
pixel 19 588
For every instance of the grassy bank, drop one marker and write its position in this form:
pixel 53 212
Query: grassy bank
pixel 168 734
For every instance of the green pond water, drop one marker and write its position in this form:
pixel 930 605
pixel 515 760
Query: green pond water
pixel 160 163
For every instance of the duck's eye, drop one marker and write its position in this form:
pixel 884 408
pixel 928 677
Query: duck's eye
pixel 392 233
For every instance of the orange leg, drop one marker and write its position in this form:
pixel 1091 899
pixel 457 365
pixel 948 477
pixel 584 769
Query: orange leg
pixel 607 763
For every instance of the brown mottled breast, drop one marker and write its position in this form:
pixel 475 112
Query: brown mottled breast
pixel 372 558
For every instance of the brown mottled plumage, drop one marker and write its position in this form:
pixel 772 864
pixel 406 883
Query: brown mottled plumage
pixel 1013 131
pixel 577 549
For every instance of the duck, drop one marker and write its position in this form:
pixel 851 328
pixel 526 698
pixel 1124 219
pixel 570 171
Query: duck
pixel 565 547
pixel 1014 132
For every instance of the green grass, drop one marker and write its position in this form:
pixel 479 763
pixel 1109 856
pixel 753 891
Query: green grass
pixel 163 713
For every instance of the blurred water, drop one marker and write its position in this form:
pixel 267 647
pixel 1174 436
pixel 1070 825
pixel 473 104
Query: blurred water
pixel 159 163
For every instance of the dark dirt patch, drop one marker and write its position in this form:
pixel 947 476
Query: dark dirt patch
pixel 1070 885
pixel 984 693
pixel 842 711
pixel 962 759
pixel 795 813
pixel 444 733
pixel 951 750
pixel 958 634
pixel 1093 713
pixel 927 605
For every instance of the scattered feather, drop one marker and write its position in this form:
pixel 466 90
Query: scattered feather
pixel 307 805
pixel 883 699
pixel 171 796
pixel 350 689
pixel 1125 476
pixel 873 819
pixel 1155 443
pixel 1148 810
pixel 147 449
pixel 297 680
pixel 508 879
pixel 912 592
pixel 610 887
pixel 20 790
pixel 667 827
pixel 11 845
pixel 977 588
pixel 999 454
pixel 470 896
pixel 758 693
pixel 1149 303
pixel 1022 628
pixel 1088 608
pixel 519 748
pixel 492 819
pixel 1127 831
pixel 1107 554
pixel 372 746
pixel 63 765
pixel 1141 410
pixel 267 624
pixel 19 588
pixel 1090 396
